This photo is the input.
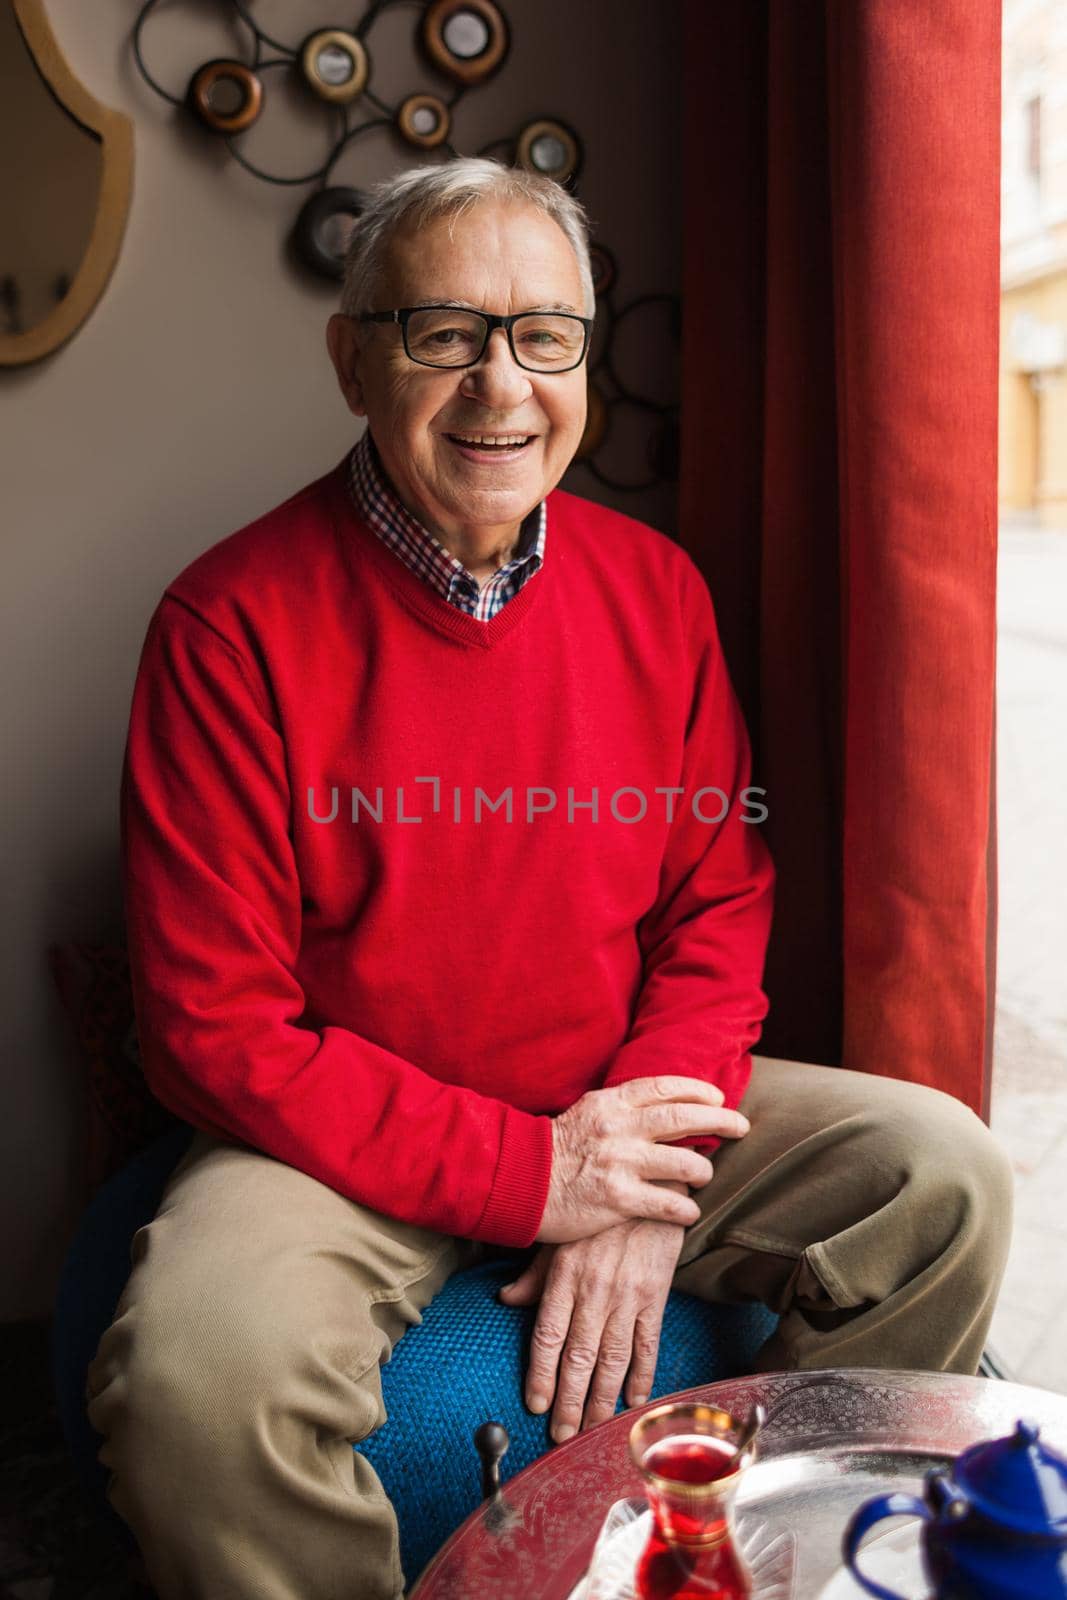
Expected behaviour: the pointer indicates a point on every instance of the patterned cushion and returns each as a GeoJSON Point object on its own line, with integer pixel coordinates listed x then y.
{"type": "Point", "coordinates": [464, 1364]}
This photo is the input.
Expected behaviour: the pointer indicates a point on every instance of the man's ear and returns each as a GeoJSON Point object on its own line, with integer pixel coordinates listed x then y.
{"type": "Point", "coordinates": [343, 343]}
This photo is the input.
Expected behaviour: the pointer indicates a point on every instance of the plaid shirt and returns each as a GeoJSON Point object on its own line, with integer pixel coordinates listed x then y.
{"type": "Point", "coordinates": [376, 502]}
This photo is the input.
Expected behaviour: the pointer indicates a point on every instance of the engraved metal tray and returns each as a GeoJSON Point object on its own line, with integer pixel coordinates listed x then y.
{"type": "Point", "coordinates": [832, 1440]}
{"type": "Point", "coordinates": [838, 1439]}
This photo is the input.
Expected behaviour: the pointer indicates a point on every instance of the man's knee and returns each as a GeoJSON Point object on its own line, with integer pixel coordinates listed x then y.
{"type": "Point", "coordinates": [890, 1133]}
{"type": "Point", "coordinates": [229, 1391]}
{"type": "Point", "coordinates": [953, 1180]}
{"type": "Point", "coordinates": [942, 1145]}
{"type": "Point", "coordinates": [222, 1367]}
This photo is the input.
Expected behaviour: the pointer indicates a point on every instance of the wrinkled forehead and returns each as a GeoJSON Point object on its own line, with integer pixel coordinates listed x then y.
{"type": "Point", "coordinates": [497, 257]}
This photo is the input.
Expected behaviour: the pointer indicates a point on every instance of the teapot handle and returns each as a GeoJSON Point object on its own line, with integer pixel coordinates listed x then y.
{"type": "Point", "coordinates": [887, 1505]}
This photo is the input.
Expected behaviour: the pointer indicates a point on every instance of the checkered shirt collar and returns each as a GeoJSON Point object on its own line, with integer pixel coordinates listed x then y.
{"type": "Point", "coordinates": [377, 502]}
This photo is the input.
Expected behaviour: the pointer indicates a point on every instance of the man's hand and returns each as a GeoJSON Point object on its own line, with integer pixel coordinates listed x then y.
{"type": "Point", "coordinates": [611, 1153]}
{"type": "Point", "coordinates": [601, 1309]}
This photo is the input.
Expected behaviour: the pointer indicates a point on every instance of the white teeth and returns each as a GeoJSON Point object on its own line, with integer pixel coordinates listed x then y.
{"type": "Point", "coordinates": [492, 439]}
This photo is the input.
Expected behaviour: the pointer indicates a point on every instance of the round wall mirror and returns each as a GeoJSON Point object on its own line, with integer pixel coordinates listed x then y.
{"type": "Point", "coordinates": [424, 120]}
{"type": "Point", "coordinates": [466, 34]}
{"type": "Point", "coordinates": [550, 148]}
{"type": "Point", "coordinates": [64, 201]}
{"type": "Point", "coordinates": [335, 65]}
{"type": "Point", "coordinates": [466, 39]}
{"type": "Point", "coordinates": [226, 96]}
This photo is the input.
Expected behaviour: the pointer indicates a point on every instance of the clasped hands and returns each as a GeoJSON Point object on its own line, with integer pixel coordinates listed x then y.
{"type": "Point", "coordinates": [611, 1234]}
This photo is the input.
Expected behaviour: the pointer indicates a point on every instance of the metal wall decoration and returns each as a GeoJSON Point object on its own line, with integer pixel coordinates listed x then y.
{"type": "Point", "coordinates": [466, 41]}
{"type": "Point", "coordinates": [610, 395]}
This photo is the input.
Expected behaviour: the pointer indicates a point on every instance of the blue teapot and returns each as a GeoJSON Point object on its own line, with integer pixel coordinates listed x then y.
{"type": "Point", "coordinates": [995, 1523]}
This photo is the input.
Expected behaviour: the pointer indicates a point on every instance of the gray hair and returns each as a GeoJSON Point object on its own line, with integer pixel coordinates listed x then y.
{"type": "Point", "coordinates": [422, 193]}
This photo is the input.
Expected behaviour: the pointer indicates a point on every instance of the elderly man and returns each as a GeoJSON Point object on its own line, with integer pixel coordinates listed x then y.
{"type": "Point", "coordinates": [447, 919]}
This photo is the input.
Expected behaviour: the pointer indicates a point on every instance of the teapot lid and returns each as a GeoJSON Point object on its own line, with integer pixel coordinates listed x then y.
{"type": "Point", "coordinates": [1016, 1481]}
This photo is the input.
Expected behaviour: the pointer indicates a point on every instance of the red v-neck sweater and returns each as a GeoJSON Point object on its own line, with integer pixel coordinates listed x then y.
{"type": "Point", "coordinates": [387, 981]}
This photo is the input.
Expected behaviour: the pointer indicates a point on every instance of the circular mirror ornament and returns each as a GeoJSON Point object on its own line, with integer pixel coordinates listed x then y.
{"type": "Point", "coordinates": [604, 269]}
{"type": "Point", "coordinates": [596, 424]}
{"type": "Point", "coordinates": [465, 39]}
{"type": "Point", "coordinates": [226, 96]}
{"type": "Point", "coordinates": [323, 230]}
{"type": "Point", "coordinates": [549, 148]}
{"type": "Point", "coordinates": [424, 120]}
{"type": "Point", "coordinates": [335, 65]}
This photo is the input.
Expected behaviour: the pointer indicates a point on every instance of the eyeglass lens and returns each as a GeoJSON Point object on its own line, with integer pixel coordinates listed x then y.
{"type": "Point", "coordinates": [543, 341]}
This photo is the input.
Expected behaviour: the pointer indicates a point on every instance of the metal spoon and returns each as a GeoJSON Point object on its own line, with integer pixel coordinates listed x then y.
{"type": "Point", "coordinates": [756, 1418]}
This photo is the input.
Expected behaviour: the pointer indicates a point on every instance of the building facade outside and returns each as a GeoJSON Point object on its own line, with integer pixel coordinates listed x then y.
{"type": "Point", "coordinates": [1033, 343]}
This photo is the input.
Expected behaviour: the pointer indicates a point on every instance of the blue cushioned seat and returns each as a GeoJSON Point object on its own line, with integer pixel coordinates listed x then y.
{"type": "Point", "coordinates": [463, 1364]}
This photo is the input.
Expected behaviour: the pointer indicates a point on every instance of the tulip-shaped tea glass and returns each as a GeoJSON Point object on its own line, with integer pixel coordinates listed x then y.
{"type": "Point", "coordinates": [687, 1455]}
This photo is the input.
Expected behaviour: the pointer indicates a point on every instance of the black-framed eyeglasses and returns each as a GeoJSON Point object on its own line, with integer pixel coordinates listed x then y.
{"type": "Point", "coordinates": [451, 336]}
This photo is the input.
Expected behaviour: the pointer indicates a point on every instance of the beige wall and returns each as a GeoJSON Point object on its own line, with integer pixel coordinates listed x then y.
{"type": "Point", "coordinates": [197, 395]}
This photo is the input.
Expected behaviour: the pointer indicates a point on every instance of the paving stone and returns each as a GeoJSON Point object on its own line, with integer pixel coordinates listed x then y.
{"type": "Point", "coordinates": [1029, 1127]}
{"type": "Point", "coordinates": [1034, 1278]}
{"type": "Point", "coordinates": [1040, 1197]}
{"type": "Point", "coordinates": [1029, 1112]}
{"type": "Point", "coordinates": [1046, 1363]}
{"type": "Point", "coordinates": [1014, 1334]}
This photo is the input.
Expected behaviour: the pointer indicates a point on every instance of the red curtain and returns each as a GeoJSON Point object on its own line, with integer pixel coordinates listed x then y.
{"type": "Point", "coordinates": [839, 435]}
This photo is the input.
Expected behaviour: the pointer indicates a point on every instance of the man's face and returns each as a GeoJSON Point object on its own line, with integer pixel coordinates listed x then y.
{"type": "Point", "coordinates": [493, 257]}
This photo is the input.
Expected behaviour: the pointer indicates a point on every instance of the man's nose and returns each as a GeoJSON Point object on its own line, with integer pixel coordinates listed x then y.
{"type": "Point", "coordinates": [497, 379]}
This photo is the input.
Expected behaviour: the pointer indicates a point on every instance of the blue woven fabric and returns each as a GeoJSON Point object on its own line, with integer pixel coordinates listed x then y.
{"type": "Point", "coordinates": [462, 1365]}
{"type": "Point", "coordinates": [93, 1278]}
{"type": "Point", "coordinates": [465, 1363]}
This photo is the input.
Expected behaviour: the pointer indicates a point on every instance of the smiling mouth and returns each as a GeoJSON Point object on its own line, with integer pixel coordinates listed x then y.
{"type": "Point", "coordinates": [492, 442]}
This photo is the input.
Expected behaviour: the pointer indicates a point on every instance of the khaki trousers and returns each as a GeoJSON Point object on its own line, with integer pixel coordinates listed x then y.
{"type": "Point", "coordinates": [244, 1357]}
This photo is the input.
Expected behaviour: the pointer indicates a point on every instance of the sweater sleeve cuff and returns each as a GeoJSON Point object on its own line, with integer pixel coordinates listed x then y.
{"type": "Point", "coordinates": [519, 1194]}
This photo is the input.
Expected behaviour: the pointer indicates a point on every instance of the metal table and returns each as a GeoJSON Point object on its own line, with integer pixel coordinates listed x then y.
{"type": "Point", "coordinates": [832, 1440]}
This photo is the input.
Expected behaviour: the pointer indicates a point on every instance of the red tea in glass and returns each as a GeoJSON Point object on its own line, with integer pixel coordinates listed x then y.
{"type": "Point", "coordinates": [690, 1458]}
{"type": "Point", "coordinates": [691, 1470]}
